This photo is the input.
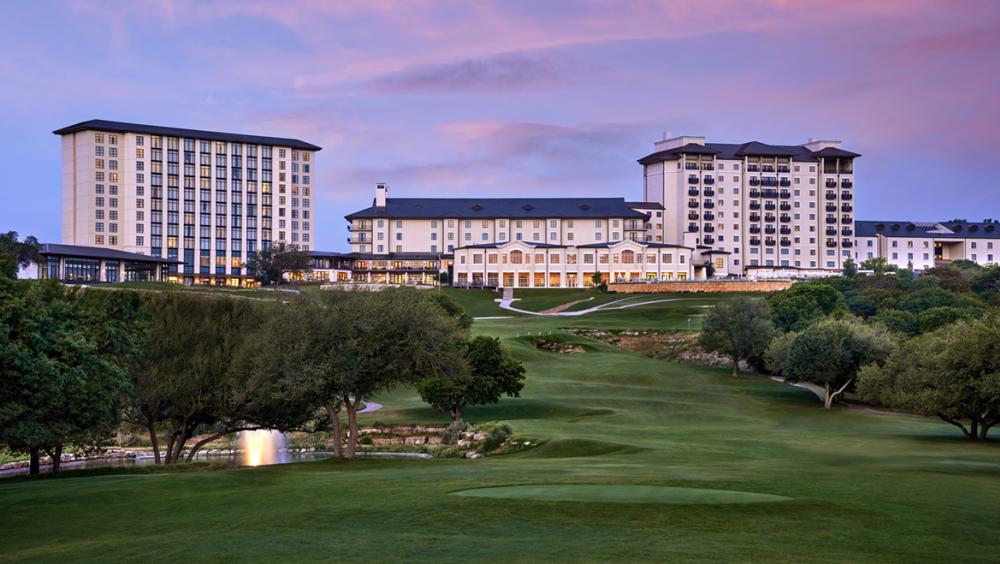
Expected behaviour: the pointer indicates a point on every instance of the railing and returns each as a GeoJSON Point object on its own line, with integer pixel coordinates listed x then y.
{"type": "Point", "coordinates": [770, 193]}
{"type": "Point", "coordinates": [831, 183]}
{"type": "Point", "coordinates": [785, 218]}
{"type": "Point", "coordinates": [707, 166]}
{"type": "Point", "coordinates": [755, 217]}
{"type": "Point", "coordinates": [786, 242]}
{"type": "Point", "coordinates": [755, 205]}
{"type": "Point", "coordinates": [709, 229]}
{"type": "Point", "coordinates": [784, 194]}
{"type": "Point", "coordinates": [831, 207]}
{"type": "Point", "coordinates": [709, 216]}
{"type": "Point", "coordinates": [755, 229]}
{"type": "Point", "coordinates": [831, 195]}
{"type": "Point", "coordinates": [782, 168]}
{"type": "Point", "coordinates": [754, 193]}
{"type": "Point", "coordinates": [692, 180]}
{"type": "Point", "coordinates": [846, 208]}
{"type": "Point", "coordinates": [754, 181]}
{"type": "Point", "coordinates": [693, 215]}
{"type": "Point", "coordinates": [708, 180]}
{"type": "Point", "coordinates": [846, 243]}
{"type": "Point", "coordinates": [784, 182]}
{"type": "Point", "coordinates": [693, 192]}
{"type": "Point", "coordinates": [709, 192]}
{"type": "Point", "coordinates": [690, 166]}
{"type": "Point", "coordinates": [692, 228]}
{"type": "Point", "coordinates": [770, 206]}
{"type": "Point", "coordinates": [785, 206]}
{"type": "Point", "coordinates": [785, 230]}
{"type": "Point", "coordinates": [709, 204]}
{"type": "Point", "coordinates": [692, 204]}
{"type": "Point", "coordinates": [831, 230]}
{"type": "Point", "coordinates": [845, 183]}
{"type": "Point", "coordinates": [767, 168]}
{"type": "Point", "coordinates": [708, 240]}
{"type": "Point", "coordinates": [846, 196]}
{"type": "Point", "coordinates": [752, 168]}
{"type": "Point", "coordinates": [831, 242]}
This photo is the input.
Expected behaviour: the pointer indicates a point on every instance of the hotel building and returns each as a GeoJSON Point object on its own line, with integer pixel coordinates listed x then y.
{"type": "Point", "coordinates": [203, 200]}
{"type": "Point", "coordinates": [783, 208]}
{"type": "Point", "coordinates": [923, 245]}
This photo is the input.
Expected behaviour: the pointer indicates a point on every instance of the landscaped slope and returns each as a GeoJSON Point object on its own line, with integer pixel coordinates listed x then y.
{"type": "Point", "coordinates": [863, 486]}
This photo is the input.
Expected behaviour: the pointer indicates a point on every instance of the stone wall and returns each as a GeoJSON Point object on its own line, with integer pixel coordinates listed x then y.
{"type": "Point", "coordinates": [697, 286]}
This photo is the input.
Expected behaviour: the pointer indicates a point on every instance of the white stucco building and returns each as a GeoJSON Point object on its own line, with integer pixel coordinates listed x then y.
{"type": "Point", "coordinates": [773, 207]}
{"type": "Point", "coordinates": [204, 200]}
{"type": "Point", "coordinates": [923, 245]}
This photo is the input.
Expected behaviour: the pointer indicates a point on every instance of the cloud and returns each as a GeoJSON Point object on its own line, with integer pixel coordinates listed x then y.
{"type": "Point", "coordinates": [499, 73]}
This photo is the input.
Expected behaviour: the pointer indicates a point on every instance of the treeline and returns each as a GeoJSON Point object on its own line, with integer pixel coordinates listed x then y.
{"type": "Point", "coordinates": [76, 364]}
{"type": "Point", "coordinates": [927, 344]}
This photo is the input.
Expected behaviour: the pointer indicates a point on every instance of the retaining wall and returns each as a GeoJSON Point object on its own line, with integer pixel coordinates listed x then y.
{"type": "Point", "coordinates": [696, 286]}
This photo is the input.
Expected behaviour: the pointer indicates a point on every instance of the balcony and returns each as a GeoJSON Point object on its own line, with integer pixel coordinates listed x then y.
{"type": "Point", "coordinates": [785, 218]}
{"type": "Point", "coordinates": [846, 196]}
{"type": "Point", "coordinates": [784, 194]}
{"type": "Point", "coordinates": [783, 168]}
{"type": "Point", "coordinates": [831, 207]}
{"type": "Point", "coordinates": [767, 168]}
{"type": "Point", "coordinates": [784, 182]}
{"type": "Point", "coordinates": [785, 230]}
{"type": "Point", "coordinates": [708, 228]}
{"type": "Point", "coordinates": [690, 166]}
{"type": "Point", "coordinates": [831, 183]}
{"type": "Point", "coordinates": [769, 218]}
{"type": "Point", "coordinates": [846, 208]}
{"type": "Point", "coordinates": [692, 179]}
{"type": "Point", "coordinates": [831, 195]}
{"type": "Point", "coordinates": [846, 243]}
{"type": "Point", "coordinates": [755, 217]}
{"type": "Point", "coordinates": [846, 231]}
{"type": "Point", "coordinates": [693, 215]}
{"type": "Point", "coordinates": [754, 181]}
{"type": "Point", "coordinates": [770, 241]}
{"type": "Point", "coordinates": [692, 228]}
{"type": "Point", "coordinates": [752, 168]}
{"type": "Point", "coordinates": [692, 204]}
{"type": "Point", "coordinates": [755, 229]}
{"type": "Point", "coordinates": [769, 181]}
{"type": "Point", "coordinates": [708, 204]}
{"type": "Point", "coordinates": [786, 242]}
{"type": "Point", "coordinates": [707, 166]}
{"type": "Point", "coordinates": [845, 183]}
{"type": "Point", "coordinates": [709, 192]}
{"type": "Point", "coordinates": [846, 219]}
{"type": "Point", "coordinates": [785, 206]}
{"type": "Point", "coordinates": [770, 206]}
{"type": "Point", "coordinates": [831, 219]}
{"type": "Point", "coordinates": [831, 242]}
{"type": "Point", "coordinates": [831, 230]}
{"type": "Point", "coordinates": [708, 240]}
{"type": "Point", "coordinates": [360, 227]}
{"type": "Point", "coordinates": [755, 241]}
{"type": "Point", "coordinates": [770, 193]}
{"type": "Point", "coordinates": [709, 216]}
{"type": "Point", "coordinates": [693, 192]}
{"type": "Point", "coordinates": [708, 180]}
{"type": "Point", "coordinates": [755, 193]}
{"type": "Point", "coordinates": [770, 230]}
{"type": "Point", "coordinates": [755, 205]}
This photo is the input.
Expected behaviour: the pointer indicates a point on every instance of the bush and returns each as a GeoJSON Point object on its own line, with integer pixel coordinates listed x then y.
{"type": "Point", "coordinates": [454, 431]}
{"type": "Point", "coordinates": [496, 437]}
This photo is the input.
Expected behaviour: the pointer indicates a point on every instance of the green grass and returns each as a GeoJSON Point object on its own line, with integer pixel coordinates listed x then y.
{"type": "Point", "coordinates": [863, 486]}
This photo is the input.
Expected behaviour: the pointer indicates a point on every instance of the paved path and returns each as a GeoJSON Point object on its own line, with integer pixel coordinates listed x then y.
{"type": "Point", "coordinates": [818, 390]}
{"type": "Point", "coordinates": [371, 406]}
{"type": "Point", "coordinates": [616, 304]}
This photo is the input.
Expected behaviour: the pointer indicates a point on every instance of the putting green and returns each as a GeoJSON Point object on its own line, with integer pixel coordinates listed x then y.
{"type": "Point", "coordinates": [620, 494]}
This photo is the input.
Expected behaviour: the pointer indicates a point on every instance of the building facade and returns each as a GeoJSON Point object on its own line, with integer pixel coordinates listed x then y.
{"type": "Point", "coordinates": [788, 207]}
{"type": "Point", "coordinates": [203, 200]}
{"type": "Point", "coordinates": [923, 245]}
{"type": "Point", "coordinates": [77, 264]}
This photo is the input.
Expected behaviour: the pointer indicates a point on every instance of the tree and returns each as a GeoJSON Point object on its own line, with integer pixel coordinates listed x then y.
{"type": "Point", "coordinates": [878, 265]}
{"type": "Point", "coordinates": [491, 373]}
{"type": "Point", "coordinates": [776, 356]}
{"type": "Point", "coordinates": [740, 329]}
{"type": "Point", "coordinates": [953, 373]}
{"type": "Point", "coordinates": [803, 303]}
{"type": "Point", "coordinates": [598, 282]}
{"type": "Point", "coordinates": [272, 263]}
{"type": "Point", "coordinates": [850, 268]}
{"type": "Point", "coordinates": [63, 359]}
{"type": "Point", "coordinates": [189, 378]}
{"type": "Point", "coordinates": [16, 254]}
{"type": "Point", "coordinates": [831, 352]}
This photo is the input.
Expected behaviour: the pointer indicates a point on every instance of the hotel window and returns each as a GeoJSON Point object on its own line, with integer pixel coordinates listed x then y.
{"type": "Point", "coordinates": [99, 138]}
{"type": "Point", "coordinates": [99, 163]}
{"type": "Point", "coordinates": [139, 240]}
{"type": "Point", "coordinates": [99, 227]}
{"type": "Point", "coordinates": [113, 139]}
{"type": "Point", "coordinates": [602, 259]}
{"type": "Point", "coordinates": [99, 188]}
{"type": "Point", "coordinates": [597, 236]}
{"type": "Point", "coordinates": [588, 258]}
{"type": "Point", "coordinates": [99, 214]}
{"type": "Point", "coordinates": [99, 201]}
{"type": "Point", "coordinates": [139, 140]}
{"type": "Point", "coordinates": [99, 151]}
{"type": "Point", "coordinates": [98, 239]}
{"type": "Point", "coordinates": [569, 236]}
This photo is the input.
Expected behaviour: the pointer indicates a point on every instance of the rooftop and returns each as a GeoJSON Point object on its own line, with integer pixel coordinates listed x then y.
{"type": "Point", "coordinates": [734, 151]}
{"type": "Point", "coordinates": [123, 127]}
{"type": "Point", "coordinates": [928, 229]}
{"type": "Point", "coordinates": [97, 252]}
{"type": "Point", "coordinates": [489, 208]}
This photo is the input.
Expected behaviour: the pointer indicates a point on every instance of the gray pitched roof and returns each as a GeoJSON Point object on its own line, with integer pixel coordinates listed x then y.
{"type": "Point", "coordinates": [123, 127]}
{"type": "Point", "coordinates": [489, 208]}
{"type": "Point", "coordinates": [645, 205]}
{"type": "Point", "coordinates": [734, 151]}
{"type": "Point", "coordinates": [80, 251]}
{"type": "Point", "coordinates": [928, 229]}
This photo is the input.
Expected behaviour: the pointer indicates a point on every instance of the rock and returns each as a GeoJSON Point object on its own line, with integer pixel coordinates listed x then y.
{"type": "Point", "coordinates": [479, 436]}
{"type": "Point", "coordinates": [526, 443]}
{"type": "Point", "coordinates": [378, 441]}
{"type": "Point", "coordinates": [472, 455]}
{"type": "Point", "coordinates": [397, 441]}
{"type": "Point", "coordinates": [464, 443]}
{"type": "Point", "coordinates": [416, 440]}
{"type": "Point", "coordinates": [402, 430]}
{"type": "Point", "coordinates": [434, 440]}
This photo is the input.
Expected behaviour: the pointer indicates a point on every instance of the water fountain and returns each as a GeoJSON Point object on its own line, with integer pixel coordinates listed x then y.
{"type": "Point", "coordinates": [263, 446]}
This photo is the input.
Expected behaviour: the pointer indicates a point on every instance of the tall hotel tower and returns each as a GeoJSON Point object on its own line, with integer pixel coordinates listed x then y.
{"type": "Point", "coordinates": [206, 199]}
{"type": "Point", "coordinates": [770, 206]}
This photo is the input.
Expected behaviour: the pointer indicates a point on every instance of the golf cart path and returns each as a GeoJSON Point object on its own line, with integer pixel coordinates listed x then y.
{"type": "Point", "coordinates": [370, 406]}
{"type": "Point", "coordinates": [505, 303]}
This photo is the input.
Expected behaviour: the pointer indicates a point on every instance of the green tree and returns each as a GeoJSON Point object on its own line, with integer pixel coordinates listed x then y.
{"type": "Point", "coordinates": [897, 321]}
{"type": "Point", "coordinates": [953, 373]}
{"type": "Point", "coordinates": [797, 307]}
{"type": "Point", "coordinates": [776, 356]}
{"type": "Point", "coordinates": [850, 268]}
{"type": "Point", "coordinates": [491, 373]}
{"type": "Point", "coordinates": [15, 254]}
{"type": "Point", "coordinates": [878, 265]}
{"type": "Point", "coordinates": [272, 263]}
{"type": "Point", "coordinates": [831, 352]}
{"type": "Point", "coordinates": [740, 329]}
{"type": "Point", "coordinates": [598, 282]}
{"type": "Point", "coordinates": [63, 359]}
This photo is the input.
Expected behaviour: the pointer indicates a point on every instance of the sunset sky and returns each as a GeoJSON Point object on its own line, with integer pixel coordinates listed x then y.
{"type": "Point", "coordinates": [516, 98]}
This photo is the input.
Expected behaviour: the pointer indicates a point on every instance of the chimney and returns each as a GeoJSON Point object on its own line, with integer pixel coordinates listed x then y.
{"type": "Point", "coordinates": [381, 194]}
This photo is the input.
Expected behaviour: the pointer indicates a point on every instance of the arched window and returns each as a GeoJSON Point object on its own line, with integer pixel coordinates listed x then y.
{"type": "Point", "coordinates": [516, 257]}
{"type": "Point", "coordinates": [628, 257]}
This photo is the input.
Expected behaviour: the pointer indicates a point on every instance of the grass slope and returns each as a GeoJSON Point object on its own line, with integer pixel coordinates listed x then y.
{"type": "Point", "coordinates": [863, 486]}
